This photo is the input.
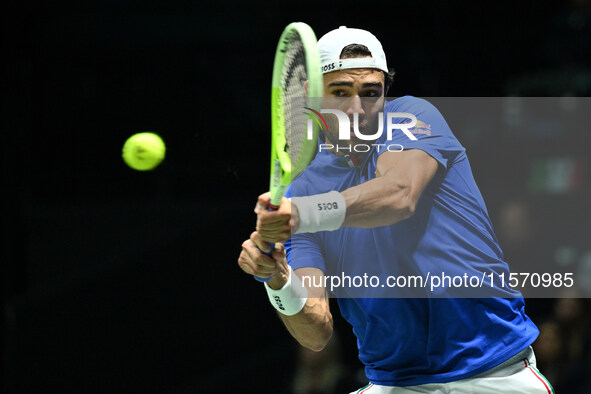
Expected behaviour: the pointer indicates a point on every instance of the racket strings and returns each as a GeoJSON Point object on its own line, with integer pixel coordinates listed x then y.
{"type": "Point", "coordinates": [293, 79]}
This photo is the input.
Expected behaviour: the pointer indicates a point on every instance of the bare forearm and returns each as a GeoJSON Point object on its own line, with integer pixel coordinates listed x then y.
{"type": "Point", "coordinates": [378, 202]}
{"type": "Point", "coordinates": [393, 194]}
{"type": "Point", "coordinates": [312, 326]}
{"type": "Point", "coordinates": [387, 199]}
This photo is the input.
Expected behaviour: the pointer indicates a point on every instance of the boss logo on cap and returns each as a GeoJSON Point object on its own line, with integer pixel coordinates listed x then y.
{"type": "Point", "coordinates": [327, 67]}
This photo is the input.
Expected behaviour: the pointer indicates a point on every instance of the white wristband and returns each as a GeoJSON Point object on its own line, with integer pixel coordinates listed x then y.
{"type": "Point", "coordinates": [320, 212]}
{"type": "Point", "coordinates": [291, 298]}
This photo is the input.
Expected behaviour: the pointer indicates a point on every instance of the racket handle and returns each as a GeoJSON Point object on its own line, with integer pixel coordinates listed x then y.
{"type": "Point", "coordinates": [271, 207]}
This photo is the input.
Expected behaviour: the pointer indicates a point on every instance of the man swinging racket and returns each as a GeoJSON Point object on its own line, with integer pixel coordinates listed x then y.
{"type": "Point", "coordinates": [392, 204]}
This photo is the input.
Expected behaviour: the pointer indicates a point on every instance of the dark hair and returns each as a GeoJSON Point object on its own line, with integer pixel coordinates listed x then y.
{"type": "Point", "coordinates": [358, 50]}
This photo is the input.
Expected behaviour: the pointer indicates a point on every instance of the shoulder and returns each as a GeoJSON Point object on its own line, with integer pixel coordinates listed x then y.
{"type": "Point", "coordinates": [320, 176]}
{"type": "Point", "coordinates": [410, 104]}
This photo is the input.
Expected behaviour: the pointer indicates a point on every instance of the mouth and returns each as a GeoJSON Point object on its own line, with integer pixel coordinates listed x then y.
{"type": "Point", "coordinates": [361, 129]}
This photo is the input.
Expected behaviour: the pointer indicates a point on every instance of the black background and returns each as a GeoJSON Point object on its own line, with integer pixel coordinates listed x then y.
{"type": "Point", "coordinates": [123, 281]}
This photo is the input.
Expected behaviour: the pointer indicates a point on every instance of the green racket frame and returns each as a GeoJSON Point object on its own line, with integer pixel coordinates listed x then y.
{"type": "Point", "coordinates": [284, 168]}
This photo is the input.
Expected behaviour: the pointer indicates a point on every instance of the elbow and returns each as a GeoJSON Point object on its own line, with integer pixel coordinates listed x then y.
{"type": "Point", "coordinates": [318, 342]}
{"type": "Point", "coordinates": [315, 347]}
{"type": "Point", "coordinates": [408, 210]}
{"type": "Point", "coordinates": [406, 207]}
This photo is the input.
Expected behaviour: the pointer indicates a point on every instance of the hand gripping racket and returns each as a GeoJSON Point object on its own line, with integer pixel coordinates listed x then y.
{"type": "Point", "coordinates": [296, 86]}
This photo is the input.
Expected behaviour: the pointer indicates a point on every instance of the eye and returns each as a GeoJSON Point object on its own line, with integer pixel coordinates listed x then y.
{"type": "Point", "coordinates": [372, 93]}
{"type": "Point", "coordinates": [339, 93]}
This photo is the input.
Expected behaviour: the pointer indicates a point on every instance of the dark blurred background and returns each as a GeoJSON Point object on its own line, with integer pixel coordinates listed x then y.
{"type": "Point", "coordinates": [122, 281]}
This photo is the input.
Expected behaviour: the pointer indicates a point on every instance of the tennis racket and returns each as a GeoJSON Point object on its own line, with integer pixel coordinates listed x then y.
{"type": "Point", "coordinates": [297, 63]}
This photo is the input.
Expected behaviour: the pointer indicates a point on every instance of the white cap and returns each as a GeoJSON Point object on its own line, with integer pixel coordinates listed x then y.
{"type": "Point", "coordinates": [332, 43]}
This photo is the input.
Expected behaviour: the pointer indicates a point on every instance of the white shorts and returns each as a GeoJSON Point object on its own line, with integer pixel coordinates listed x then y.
{"type": "Point", "coordinates": [516, 375]}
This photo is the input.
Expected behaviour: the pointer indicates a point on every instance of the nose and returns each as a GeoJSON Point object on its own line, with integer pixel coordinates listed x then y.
{"type": "Point", "coordinates": [355, 106]}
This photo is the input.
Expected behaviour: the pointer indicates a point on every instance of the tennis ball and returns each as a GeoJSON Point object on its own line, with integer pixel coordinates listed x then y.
{"type": "Point", "coordinates": [143, 151]}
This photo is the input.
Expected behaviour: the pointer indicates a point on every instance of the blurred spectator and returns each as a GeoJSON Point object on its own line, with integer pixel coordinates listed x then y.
{"type": "Point", "coordinates": [550, 350]}
{"type": "Point", "coordinates": [516, 224]}
{"type": "Point", "coordinates": [563, 348]}
{"type": "Point", "coordinates": [319, 372]}
{"type": "Point", "coordinates": [523, 236]}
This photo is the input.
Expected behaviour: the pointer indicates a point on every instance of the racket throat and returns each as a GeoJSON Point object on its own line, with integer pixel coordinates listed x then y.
{"type": "Point", "coordinates": [279, 183]}
{"type": "Point", "coordinates": [276, 194]}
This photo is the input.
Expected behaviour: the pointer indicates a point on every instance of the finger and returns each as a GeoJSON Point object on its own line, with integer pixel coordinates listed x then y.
{"type": "Point", "coordinates": [268, 226]}
{"type": "Point", "coordinates": [278, 252]}
{"type": "Point", "coordinates": [257, 260]}
{"type": "Point", "coordinates": [279, 237]}
{"type": "Point", "coordinates": [275, 235]}
{"type": "Point", "coordinates": [265, 232]}
{"type": "Point", "coordinates": [252, 261]}
{"type": "Point", "coordinates": [259, 242]}
{"type": "Point", "coordinates": [250, 250]}
{"type": "Point", "coordinates": [281, 215]}
{"type": "Point", "coordinates": [264, 272]}
{"type": "Point", "coordinates": [263, 202]}
{"type": "Point", "coordinates": [285, 207]}
{"type": "Point", "coordinates": [272, 224]}
{"type": "Point", "coordinates": [250, 267]}
{"type": "Point", "coordinates": [245, 264]}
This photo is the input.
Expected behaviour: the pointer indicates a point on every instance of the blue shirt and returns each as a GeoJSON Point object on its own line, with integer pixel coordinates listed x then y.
{"type": "Point", "coordinates": [424, 339]}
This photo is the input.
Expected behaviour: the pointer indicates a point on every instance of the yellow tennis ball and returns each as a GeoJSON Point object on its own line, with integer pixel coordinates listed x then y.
{"type": "Point", "coordinates": [143, 151]}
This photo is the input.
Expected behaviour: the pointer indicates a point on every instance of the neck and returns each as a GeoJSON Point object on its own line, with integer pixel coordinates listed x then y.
{"type": "Point", "coordinates": [356, 157]}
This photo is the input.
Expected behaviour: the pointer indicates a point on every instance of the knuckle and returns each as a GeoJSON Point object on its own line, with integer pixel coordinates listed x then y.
{"type": "Point", "coordinates": [285, 211]}
{"type": "Point", "coordinates": [244, 267]}
{"type": "Point", "coordinates": [242, 262]}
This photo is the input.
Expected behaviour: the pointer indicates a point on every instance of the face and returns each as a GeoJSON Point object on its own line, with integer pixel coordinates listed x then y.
{"type": "Point", "coordinates": [359, 90]}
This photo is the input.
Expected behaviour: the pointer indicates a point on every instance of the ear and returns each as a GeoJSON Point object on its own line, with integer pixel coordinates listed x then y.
{"type": "Point", "coordinates": [306, 87]}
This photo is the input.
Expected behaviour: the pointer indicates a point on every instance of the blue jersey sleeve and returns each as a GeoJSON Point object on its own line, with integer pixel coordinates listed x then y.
{"type": "Point", "coordinates": [303, 250]}
{"type": "Point", "coordinates": [432, 132]}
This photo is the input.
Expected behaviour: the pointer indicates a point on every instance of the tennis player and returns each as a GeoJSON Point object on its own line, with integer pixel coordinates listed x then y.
{"type": "Point", "coordinates": [408, 204]}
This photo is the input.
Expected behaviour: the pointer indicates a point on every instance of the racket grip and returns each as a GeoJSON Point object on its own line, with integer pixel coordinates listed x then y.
{"type": "Point", "coordinates": [271, 207]}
